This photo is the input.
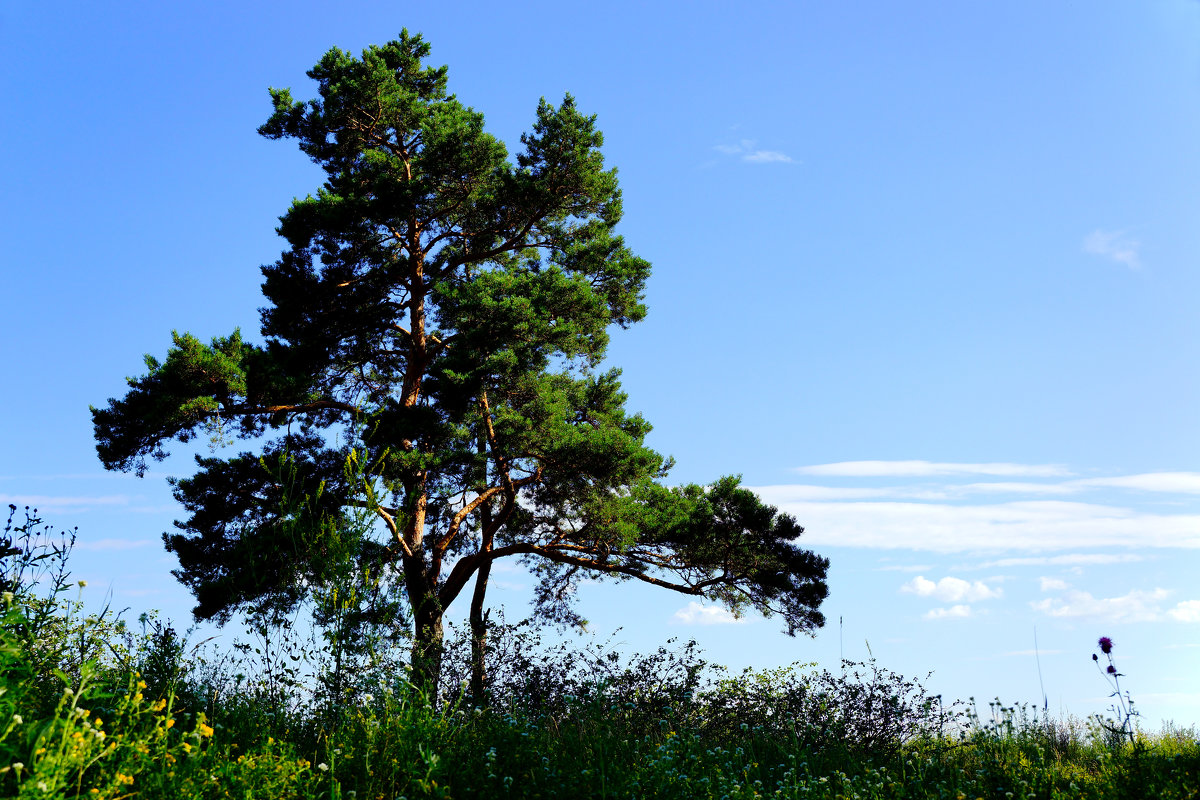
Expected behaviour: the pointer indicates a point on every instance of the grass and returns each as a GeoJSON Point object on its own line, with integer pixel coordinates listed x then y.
{"type": "Point", "coordinates": [92, 709]}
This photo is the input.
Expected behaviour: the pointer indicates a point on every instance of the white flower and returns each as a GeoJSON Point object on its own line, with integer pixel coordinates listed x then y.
{"type": "Point", "coordinates": [323, 767]}
{"type": "Point", "coordinates": [18, 719]}
{"type": "Point", "coordinates": [8, 598]}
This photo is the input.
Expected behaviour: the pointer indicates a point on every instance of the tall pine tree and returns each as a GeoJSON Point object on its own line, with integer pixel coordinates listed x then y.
{"type": "Point", "coordinates": [439, 316]}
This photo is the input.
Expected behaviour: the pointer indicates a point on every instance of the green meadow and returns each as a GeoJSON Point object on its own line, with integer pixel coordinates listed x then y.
{"type": "Point", "coordinates": [95, 706]}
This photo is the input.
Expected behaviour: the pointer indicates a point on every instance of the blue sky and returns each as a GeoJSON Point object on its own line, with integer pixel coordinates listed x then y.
{"type": "Point", "coordinates": [925, 274]}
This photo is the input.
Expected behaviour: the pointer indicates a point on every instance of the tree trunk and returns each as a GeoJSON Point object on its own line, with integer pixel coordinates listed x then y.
{"type": "Point", "coordinates": [479, 627]}
{"type": "Point", "coordinates": [428, 647]}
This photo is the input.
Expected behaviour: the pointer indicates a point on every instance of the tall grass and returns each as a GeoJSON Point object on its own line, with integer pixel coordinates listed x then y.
{"type": "Point", "coordinates": [93, 708]}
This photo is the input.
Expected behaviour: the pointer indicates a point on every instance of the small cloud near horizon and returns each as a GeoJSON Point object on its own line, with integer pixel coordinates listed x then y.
{"type": "Point", "coordinates": [950, 589]}
{"type": "Point", "coordinates": [1187, 611]}
{"type": "Point", "coordinates": [1114, 246]}
{"type": "Point", "coordinates": [1138, 605]}
{"type": "Point", "coordinates": [697, 613]}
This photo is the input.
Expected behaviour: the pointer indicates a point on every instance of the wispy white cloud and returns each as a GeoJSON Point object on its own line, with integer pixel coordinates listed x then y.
{"type": "Point", "coordinates": [696, 613]}
{"type": "Point", "coordinates": [747, 150]}
{"type": "Point", "coordinates": [953, 612]}
{"type": "Point", "coordinates": [1034, 526]}
{"type": "Point", "coordinates": [1053, 584]}
{"type": "Point", "coordinates": [1115, 246]}
{"type": "Point", "coordinates": [767, 157]}
{"type": "Point", "coordinates": [1175, 482]}
{"type": "Point", "coordinates": [1015, 487]}
{"type": "Point", "coordinates": [924, 469]}
{"type": "Point", "coordinates": [1160, 482]}
{"type": "Point", "coordinates": [801, 492]}
{"type": "Point", "coordinates": [1136, 606]}
{"type": "Point", "coordinates": [950, 589]}
{"type": "Point", "coordinates": [905, 568]}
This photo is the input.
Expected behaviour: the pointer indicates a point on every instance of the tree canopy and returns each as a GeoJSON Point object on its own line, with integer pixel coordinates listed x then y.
{"type": "Point", "coordinates": [439, 316]}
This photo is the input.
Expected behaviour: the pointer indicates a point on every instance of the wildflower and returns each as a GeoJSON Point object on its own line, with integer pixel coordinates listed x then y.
{"type": "Point", "coordinates": [17, 767]}
{"type": "Point", "coordinates": [8, 598]}
{"type": "Point", "coordinates": [1106, 645]}
{"type": "Point", "coordinates": [1112, 670]}
{"type": "Point", "coordinates": [204, 730]}
{"type": "Point", "coordinates": [82, 584]}
{"type": "Point", "coordinates": [323, 767]}
{"type": "Point", "coordinates": [18, 719]}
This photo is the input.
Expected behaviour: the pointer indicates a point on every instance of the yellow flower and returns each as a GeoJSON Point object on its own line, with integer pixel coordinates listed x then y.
{"type": "Point", "coordinates": [159, 706]}
{"type": "Point", "coordinates": [187, 748]}
{"type": "Point", "coordinates": [204, 730]}
{"type": "Point", "coordinates": [170, 723]}
{"type": "Point", "coordinates": [141, 684]}
{"type": "Point", "coordinates": [123, 778]}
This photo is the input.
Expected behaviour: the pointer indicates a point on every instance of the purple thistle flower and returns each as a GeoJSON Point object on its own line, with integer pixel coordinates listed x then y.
{"type": "Point", "coordinates": [1105, 645]}
{"type": "Point", "coordinates": [1112, 670]}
